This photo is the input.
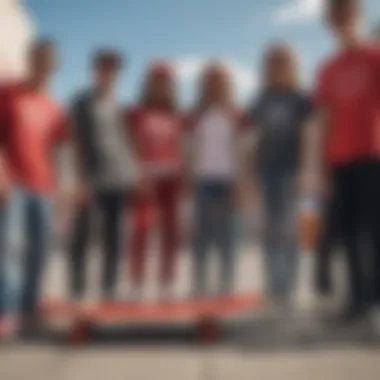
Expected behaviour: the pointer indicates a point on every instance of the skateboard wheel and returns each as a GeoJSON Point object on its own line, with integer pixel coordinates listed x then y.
{"type": "Point", "coordinates": [208, 330]}
{"type": "Point", "coordinates": [80, 333]}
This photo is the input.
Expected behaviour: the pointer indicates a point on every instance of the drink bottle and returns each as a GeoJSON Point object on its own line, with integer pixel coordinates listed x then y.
{"type": "Point", "coordinates": [309, 221]}
{"type": "Point", "coordinates": [309, 216]}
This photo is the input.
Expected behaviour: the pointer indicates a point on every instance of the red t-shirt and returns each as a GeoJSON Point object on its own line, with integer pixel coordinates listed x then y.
{"type": "Point", "coordinates": [348, 89]}
{"type": "Point", "coordinates": [157, 136]}
{"type": "Point", "coordinates": [31, 126]}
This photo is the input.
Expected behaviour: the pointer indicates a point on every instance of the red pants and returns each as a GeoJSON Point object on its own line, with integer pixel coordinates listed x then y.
{"type": "Point", "coordinates": [160, 209]}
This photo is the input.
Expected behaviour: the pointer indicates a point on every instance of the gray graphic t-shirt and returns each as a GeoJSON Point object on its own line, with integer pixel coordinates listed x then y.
{"type": "Point", "coordinates": [280, 115]}
{"type": "Point", "coordinates": [117, 166]}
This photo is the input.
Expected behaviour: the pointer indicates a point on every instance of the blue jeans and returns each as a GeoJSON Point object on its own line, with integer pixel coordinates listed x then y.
{"type": "Point", "coordinates": [280, 237]}
{"type": "Point", "coordinates": [24, 237]}
{"type": "Point", "coordinates": [214, 223]}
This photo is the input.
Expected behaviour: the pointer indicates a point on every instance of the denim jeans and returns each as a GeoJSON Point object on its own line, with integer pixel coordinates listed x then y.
{"type": "Point", "coordinates": [214, 223]}
{"type": "Point", "coordinates": [24, 238]}
{"type": "Point", "coordinates": [280, 233]}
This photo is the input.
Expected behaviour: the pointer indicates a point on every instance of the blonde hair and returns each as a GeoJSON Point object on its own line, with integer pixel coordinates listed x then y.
{"type": "Point", "coordinates": [290, 62]}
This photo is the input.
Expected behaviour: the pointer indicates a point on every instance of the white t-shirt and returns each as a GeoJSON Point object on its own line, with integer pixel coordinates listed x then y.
{"type": "Point", "coordinates": [214, 148]}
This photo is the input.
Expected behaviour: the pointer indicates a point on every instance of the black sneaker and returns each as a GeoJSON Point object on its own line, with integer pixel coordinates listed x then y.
{"type": "Point", "coordinates": [323, 283]}
{"type": "Point", "coordinates": [30, 327]}
{"type": "Point", "coordinates": [353, 314]}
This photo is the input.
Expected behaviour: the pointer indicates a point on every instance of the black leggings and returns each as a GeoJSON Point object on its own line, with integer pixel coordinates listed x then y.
{"type": "Point", "coordinates": [110, 205]}
{"type": "Point", "coordinates": [357, 191]}
{"type": "Point", "coordinates": [327, 242]}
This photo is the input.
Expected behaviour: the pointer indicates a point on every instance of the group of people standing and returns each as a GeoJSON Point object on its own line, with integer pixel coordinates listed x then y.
{"type": "Point", "coordinates": [145, 159]}
{"type": "Point", "coordinates": [130, 161]}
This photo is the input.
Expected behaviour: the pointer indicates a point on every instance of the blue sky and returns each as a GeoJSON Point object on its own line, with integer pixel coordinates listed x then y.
{"type": "Point", "coordinates": [184, 31]}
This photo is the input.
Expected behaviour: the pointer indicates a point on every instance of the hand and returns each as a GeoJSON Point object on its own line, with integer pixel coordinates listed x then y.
{"type": "Point", "coordinates": [240, 196]}
{"type": "Point", "coordinates": [144, 187]}
{"type": "Point", "coordinates": [82, 195]}
{"type": "Point", "coordinates": [4, 190]}
{"type": "Point", "coordinates": [247, 194]}
{"type": "Point", "coordinates": [187, 186]}
{"type": "Point", "coordinates": [309, 182]}
{"type": "Point", "coordinates": [62, 209]}
{"type": "Point", "coordinates": [144, 183]}
{"type": "Point", "coordinates": [326, 187]}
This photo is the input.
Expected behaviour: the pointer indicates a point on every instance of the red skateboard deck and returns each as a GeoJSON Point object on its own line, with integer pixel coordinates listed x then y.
{"type": "Point", "coordinates": [154, 312]}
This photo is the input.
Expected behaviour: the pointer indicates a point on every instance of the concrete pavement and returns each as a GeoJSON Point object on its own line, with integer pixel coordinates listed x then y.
{"type": "Point", "coordinates": [49, 362]}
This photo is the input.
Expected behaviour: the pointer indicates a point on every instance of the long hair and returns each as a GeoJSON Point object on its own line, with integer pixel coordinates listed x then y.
{"type": "Point", "coordinates": [215, 71]}
{"type": "Point", "coordinates": [376, 33]}
{"type": "Point", "coordinates": [164, 71]}
{"type": "Point", "coordinates": [285, 55]}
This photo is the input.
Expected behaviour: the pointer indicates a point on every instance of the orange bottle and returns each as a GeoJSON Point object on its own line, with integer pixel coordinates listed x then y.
{"type": "Point", "coordinates": [309, 222]}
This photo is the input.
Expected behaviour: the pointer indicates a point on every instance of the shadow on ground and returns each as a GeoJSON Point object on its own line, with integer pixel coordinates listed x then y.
{"type": "Point", "coordinates": [256, 334]}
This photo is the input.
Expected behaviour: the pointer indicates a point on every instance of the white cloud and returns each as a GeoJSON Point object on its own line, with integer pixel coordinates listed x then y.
{"type": "Point", "coordinates": [189, 69]}
{"type": "Point", "coordinates": [298, 11]}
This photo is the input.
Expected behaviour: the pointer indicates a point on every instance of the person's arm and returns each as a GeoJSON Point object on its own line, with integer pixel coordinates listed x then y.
{"type": "Point", "coordinates": [312, 167]}
{"type": "Point", "coordinates": [187, 148]}
{"type": "Point", "coordinates": [249, 152]}
{"type": "Point", "coordinates": [82, 188]}
{"type": "Point", "coordinates": [246, 185]}
{"type": "Point", "coordinates": [251, 145]}
{"type": "Point", "coordinates": [4, 120]}
{"type": "Point", "coordinates": [132, 122]}
{"type": "Point", "coordinates": [130, 126]}
{"type": "Point", "coordinates": [376, 137]}
{"type": "Point", "coordinates": [312, 148]}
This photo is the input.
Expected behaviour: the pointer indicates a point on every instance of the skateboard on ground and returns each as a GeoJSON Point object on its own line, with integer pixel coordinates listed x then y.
{"type": "Point", "coordinates": [204, 316]}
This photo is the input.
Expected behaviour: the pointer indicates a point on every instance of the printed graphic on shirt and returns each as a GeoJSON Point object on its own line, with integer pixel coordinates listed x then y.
{"type": "Point", "coordinates": [30, 113]}
{"type": "Point", "coordinates": [277, 115]}
{"type": "Point", "coordinates": [160, 129]}
{"type": "Point", "coordinates": [157, 135]}
{"type": "Point", "coordinates": [280, 116]}
{"type": "Point", "coordinates": [34, 125]}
